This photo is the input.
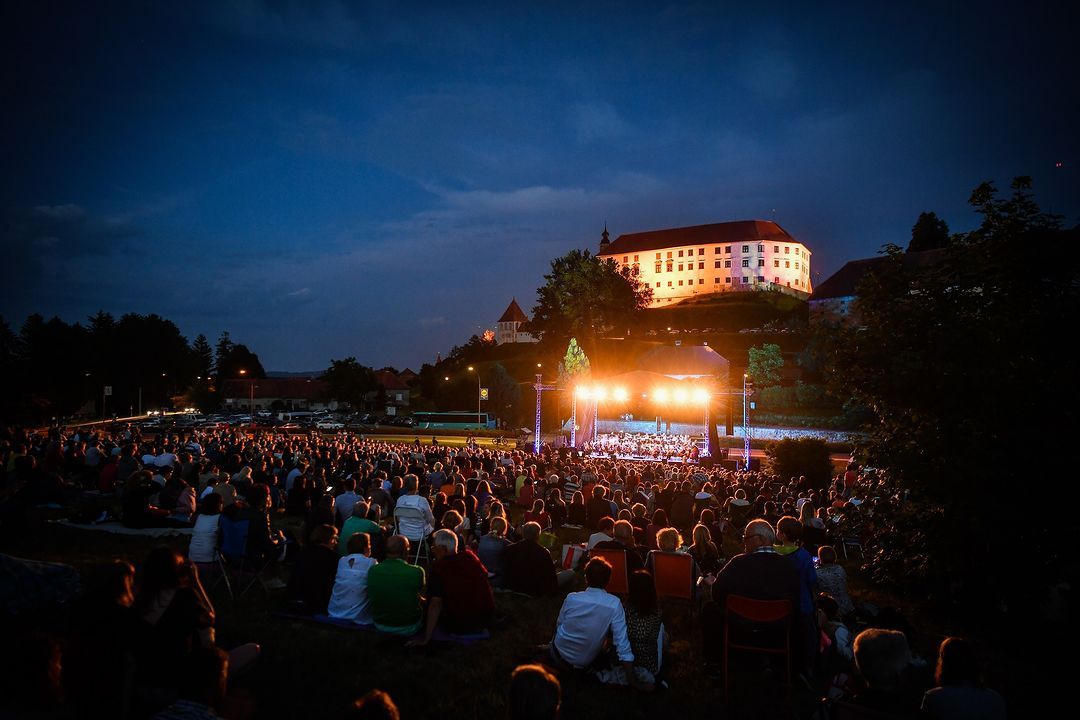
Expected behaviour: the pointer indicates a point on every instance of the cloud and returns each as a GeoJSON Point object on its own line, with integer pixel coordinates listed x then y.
{"type": "Point", "coordinates": [301, 293]}
{"type": "Point", "coordinates": [598, 121]}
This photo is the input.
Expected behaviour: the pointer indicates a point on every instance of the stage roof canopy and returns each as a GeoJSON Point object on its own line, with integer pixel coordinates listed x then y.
{"type": "Point", "coordinates": [685, 362]}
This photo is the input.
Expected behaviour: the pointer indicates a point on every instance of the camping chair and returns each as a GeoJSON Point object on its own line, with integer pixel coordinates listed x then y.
{"type": "Point", "coordinates": [419, 541]}
{"type": "Point", "coordinates": [758, 613]}
{"type": "Point", "coordinates": [232, 552]}
{"type": "Point", "coordinates": [674, 574]}
{"type": "Point", "coordinates": [620, 581]}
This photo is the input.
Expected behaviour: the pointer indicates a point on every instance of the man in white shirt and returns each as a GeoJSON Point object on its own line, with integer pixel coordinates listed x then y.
{"type": "Point", "coordinates": [586, 619]}
{"type": "Point", "coordinates": [605, 532]}
{"type": "Point", "coordinates": [414, 527]}
{"type": "Point", "coordinates": [296, 472]}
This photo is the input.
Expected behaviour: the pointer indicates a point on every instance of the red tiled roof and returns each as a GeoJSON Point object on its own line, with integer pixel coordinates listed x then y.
{"type": "Point", "coordinates": [390, 381]}
{"type": "Point", "coordinates": [514, 313]}
{"type": "Point", "coordinates": [729, 232]}
{"type": "Point", "coordinates": [293, 388]}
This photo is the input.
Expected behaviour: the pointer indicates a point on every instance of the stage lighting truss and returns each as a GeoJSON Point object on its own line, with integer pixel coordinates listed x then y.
{"type": "Point", "coordinates": [660, 395]}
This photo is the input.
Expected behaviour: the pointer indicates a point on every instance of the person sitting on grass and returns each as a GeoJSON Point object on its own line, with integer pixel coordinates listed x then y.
{"type": "Point", "coordinates": [312, 580]}
{"type": "Point", "coordinates": [491, 549]}
{"type": "Point", "coordinates": [529, 568]}
{"type": "Point", "coordinates": [358, 523]}
{"type": "Point", "coordinates": [396, 588]}
{"type": "Point", "coordinates": [605, 529]}
{"type": "Point", "coordinates": [959, 693]}
{"type": "Point", "coordinates": [374, 705]}
{"type": "Point", "coordinates": [535, 694]}
{"type": "Point", "coordinates": [832, 579]}
{"type": "Point", "coordinates": [882, 658]}
{"type": "Point", "coordinates": [645, 630]}
{"type": "Point", "coordinates": [624, 540]}
{"type": "Point", "coordinates": [585, 622]}
{"type": "Point", "coordinates": [459, 594]}
{"type": "Point", "coordinates": [349, 598]}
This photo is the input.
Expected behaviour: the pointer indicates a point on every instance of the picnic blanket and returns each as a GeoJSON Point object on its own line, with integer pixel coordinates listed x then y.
{"type": "Point", "coordinates": [439, 635]}
{"type": "Point", "coordinates": [118, 529]}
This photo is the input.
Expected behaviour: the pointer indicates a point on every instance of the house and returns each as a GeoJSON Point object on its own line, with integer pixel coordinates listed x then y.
{"type": "Point", "coordinates": [508, 327]}
{"type": "Point", "coordinates": [395, 389]}
{"type": "Point", "coordinates": [292, 393]}
{"type": "Point", "coordinates": [680, 263]}
{"type": "Point", "coordinates": [833, 300]}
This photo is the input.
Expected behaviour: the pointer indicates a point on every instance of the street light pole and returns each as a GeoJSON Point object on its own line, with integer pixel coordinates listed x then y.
{"type": "Point", "coordinates": [474, 370]}
{"type": "Point", "coordinates": [746, 421]}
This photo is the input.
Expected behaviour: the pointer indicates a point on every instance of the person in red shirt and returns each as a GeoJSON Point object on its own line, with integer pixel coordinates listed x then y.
{"type": "Point", "coordinates": [538, 515]}
{"type": "Point", "coordinates": [459, 594]}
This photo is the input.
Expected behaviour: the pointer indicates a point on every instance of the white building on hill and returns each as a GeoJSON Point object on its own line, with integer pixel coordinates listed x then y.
{"type": "Point", "coordinates": [681, 263]}
{"type": "Point", "coordinates": [506, 330]}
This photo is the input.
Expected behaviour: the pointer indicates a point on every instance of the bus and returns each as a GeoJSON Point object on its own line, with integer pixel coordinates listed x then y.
{"type": "Point", "coordinates": [453, 420]}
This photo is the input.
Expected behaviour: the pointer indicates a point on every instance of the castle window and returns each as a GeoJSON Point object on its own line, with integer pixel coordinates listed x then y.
{"type": "Point", "coordinates": [680, 264]}
{"type": "Point", "coordinates": [746, 262]}
{"type": "Point", "coordinates": [669, 254]}
{"type": "Point", "coordinates": [787, 263]}
{"type": "Point", "coordinates": [669, 265]}
{"type": "Point", "coordinates": [776, 263]}
{"type": "Point", "coordinates": [657, 284]}
{"type": "Point", "coordinates": [727, 249]}
{"type": "Point", "coordinates": [761, 248]}
{"type": "Point", "coordinates": [727, 263]}
{"type": "Point", "coordinates": [701, 281]}
{"type": "Point", "coordinates": [796, 266]}
{"type": "Point", "coordinates": [761, 262]}
{"type": "Point", "coordinates": [745, 280]}
{"type": "Point", "coordinates": [669, 283]}
{"type": "Point", "coordinates": [775, 280]}
{"type": "Point", "coordinates": [716, 281]}
{"type": "Point", "coordinates": [625, 260]}
{"type": "Point", "coordinates": [776, 248]}
{"type": "Point", "coordinates": [727, 280]}
{"type": "Point", "coordinates": [701, 266]}
{"type": "Point", "coordinates": [635, 258]}
{"type": "Point", "coordinates": [761, 278]}
{"type": "Point", "coordinates": [787, 250]}
{"type": "Point", "coordinates": [657, 256]}
{"type": "Point", "coordinates": [746, 248]}
{"type": "Point", "coordinates": [717, 264]}
{"type": "Point", "coordinates": [701, 251]}
{"type": "Point", "coordinates": [680, 253]}
{"type": "Point", "coordinates": [657, 267]}
{"type": "Point", "coordinates": [680, 283]}
{"type": "Point", "coordinates": [716, 250]}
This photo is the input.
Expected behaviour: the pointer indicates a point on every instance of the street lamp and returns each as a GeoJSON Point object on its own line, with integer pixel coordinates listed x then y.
{"type": "Point", "coordinates": [251, 395]}
{"type": "Point", "coordinates": [478, 393]}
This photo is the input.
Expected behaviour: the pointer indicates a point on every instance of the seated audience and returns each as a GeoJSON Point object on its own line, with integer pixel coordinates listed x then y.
{"type": "Point", "coordinates": [882, 657]}
{"type": "Point", "coordinates": [459, 594]}
{"type": "Point", "coordinates": [396, 588]}
{"type": "Point", "coordinates": [204, 534]}
{"type": "Point", "coordinates": [529, 568]}
{"type": "Point", "coordinates": [349, 598]}
{"type": "Point", "coordinates": [832, 579]}
{"type": "Point", "coordinates": [624, 540]}
{"type": "Point", "coordinates": [535, 694]}
{"type": "Point", "coordinates": [960, 694]}
{"type": "Point", "coordinates": [312, 579]}
{"type": "Point", "coordinates": [358, 523]}
{"type": "Point", "coordinates": [491, 550]}
{"type": "Point", "coordinates": [604, 531]}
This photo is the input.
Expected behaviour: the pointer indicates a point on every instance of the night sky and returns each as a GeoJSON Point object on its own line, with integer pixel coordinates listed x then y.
{"type": "Point", "coordinates": [378, 179]}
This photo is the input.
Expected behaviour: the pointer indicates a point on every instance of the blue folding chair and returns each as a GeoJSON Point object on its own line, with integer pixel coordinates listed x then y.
{"type": "Point", "coordinates": [232, 552]}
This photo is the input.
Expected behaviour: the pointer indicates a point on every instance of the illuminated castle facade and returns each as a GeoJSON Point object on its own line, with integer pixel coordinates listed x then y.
{"type": "Point", "coordinates": [686, 262]}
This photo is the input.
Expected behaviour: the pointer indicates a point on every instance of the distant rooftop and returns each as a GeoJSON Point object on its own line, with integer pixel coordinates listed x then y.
{"type": "Point", "coordinates": [844, 281]}
{"type": "Point", "coordinates": [750, 231]}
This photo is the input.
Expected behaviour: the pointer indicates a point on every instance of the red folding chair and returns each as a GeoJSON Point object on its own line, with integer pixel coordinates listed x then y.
{"type": "Point", "coordinates": [775, 613]}
{"type": "Point", "coordinates": [619, 583]}
{"type": "Point", "coordinates": [674, 576]}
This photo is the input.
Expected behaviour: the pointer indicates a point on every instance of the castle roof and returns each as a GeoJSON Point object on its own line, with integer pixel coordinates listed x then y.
{"type": "Point", "coordinates": [749, 231]}
{"type": "Point", "coordinates": [514, 313]}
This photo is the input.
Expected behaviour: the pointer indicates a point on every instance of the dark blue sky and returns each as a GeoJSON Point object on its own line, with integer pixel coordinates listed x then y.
{"type": "Point", "coordinates": [325, 179]}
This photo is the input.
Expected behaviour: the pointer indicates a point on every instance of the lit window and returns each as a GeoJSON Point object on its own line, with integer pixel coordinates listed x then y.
{"type": "Point", "coordinates": [775, 280]}
{"type": "Point", "coordinates": [776, 248]}
{"type": "Point", "coordinates": [680, 253]}
{"type": "Point", "coordinates": [761, 262]}
{"type": "Point", "coordinates": [701, 251]}
{"type": "Point", "coordinates": [657, 256]}
{"type": "Point", "coordinates": [690, 252]}
{"type": "Point", "coordinates": [657, 284]}
{"type": "Point", "coordinates": [625, 260]}
{"type": "Point", "coordinates": [717, 264]}
{"type": "Point", "coordinates": [796, 266]}
{"type": "Point", "coordinates": [787, 263]}
{"type": "Point", "coordinates": [746, 262]}
{"type": "Point", "coordinates": [635, 258]}
{"type": "Point", "coordinates": [680, 265]}
{"type": "Point", "coordinates": [657, 267]}
{"type": "Point", "coordinates": [669, 265]}
{"type": "Point", "coordinates": [669, 283]}
{"type": "Point", "coordinates": [761, 248]}
{"type": "Point", "coordinates": [776, 263]}
{"type": "Point", "coordinates": [787, 250]}
{"type": "Point", "coordinates": [746, 248]}
{"type": "Point", "coordinates": [701, 266]}
{"type": "Point", "coordinates": [669, 254]}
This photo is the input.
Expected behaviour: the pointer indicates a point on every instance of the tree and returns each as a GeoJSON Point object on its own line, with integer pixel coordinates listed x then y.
{"type": "Point", "coordinates": [349, 381]}
{"type": "Point", "coordinates": [575, 364]}
{"type": "Point", "coordinates": [239, 358]}
{"type": "Point", "coordinates": [950, 361]}
{"type": "Point", "coordinates": [204, 356]}
{"type": "Point", "coordinates": [764, 365]}
{"type": "Point", "coordinates": [584, 296]}
{"type": "Point", "coordinates": [792, 457]}
{"type": "Point", "coordinates": [929, 233]}
{"type": "Point", "coordinates": [223, 348]}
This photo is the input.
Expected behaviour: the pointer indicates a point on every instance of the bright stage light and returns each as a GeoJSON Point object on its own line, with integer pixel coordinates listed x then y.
{"type": "Point", "coordinates": [599, 392]}
{"type": "Point", "coordinates": [701, 396]}
{"type": "Point", "coordinates": [681, 396]}
{"type": "Point", "coordinates": [661, 395]}
{"type": "Point", "coordinates": [621, 395]}
{"type": "Point", "coordinates": [584, 392]}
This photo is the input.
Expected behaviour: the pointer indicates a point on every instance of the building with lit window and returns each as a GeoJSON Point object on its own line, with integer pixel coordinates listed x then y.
{"type": "Point", "coordinates": [508, 328]}
{"type": "Point", "coordinates": [681, 263]}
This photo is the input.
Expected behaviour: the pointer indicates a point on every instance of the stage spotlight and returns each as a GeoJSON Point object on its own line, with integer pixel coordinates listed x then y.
{"type": "Point", "coordinates": [621, 395]}
{"type": "Point", "coordinates": [661, 395]}
{"type": "Point", "coordinates": [681, 396]}
{"type": "Point", "coordinates": [599, 393]}
{"type": "Point", "coordinates": [701, 396]}
{"type": "Point", "coordinates": [584, 392]}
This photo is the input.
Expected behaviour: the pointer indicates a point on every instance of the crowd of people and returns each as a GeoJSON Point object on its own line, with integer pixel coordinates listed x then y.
{"type": "Point", "coordinates": [644, 446]}
{"type": "Point", "coordinates": [416, 540]}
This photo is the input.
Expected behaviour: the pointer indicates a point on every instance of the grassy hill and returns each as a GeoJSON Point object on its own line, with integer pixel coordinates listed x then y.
{"type": "Point", "coordinates": [728, 312]}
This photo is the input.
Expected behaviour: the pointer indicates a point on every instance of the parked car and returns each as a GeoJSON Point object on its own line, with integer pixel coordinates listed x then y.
{"type": "Point", "coordinates": [330, 425]}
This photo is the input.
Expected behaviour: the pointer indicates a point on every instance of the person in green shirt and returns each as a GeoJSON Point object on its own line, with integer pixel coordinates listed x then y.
{"type": "Point", "coordinates": [395, 588]}
{"type": "Point", "coordinates": [357, 523]}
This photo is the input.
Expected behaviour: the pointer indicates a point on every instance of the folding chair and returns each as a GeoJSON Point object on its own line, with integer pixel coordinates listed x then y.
{"type": "Point", "coordinates": [232, 552]}
{"type": "Point", "coordinates": [620, 581]}
{"type": "Point", "coordinates": [674, 575]}
{"type": "Point", "coordinates": [760, 613]}
{"type": "Point", "coordinates": [420, 541]}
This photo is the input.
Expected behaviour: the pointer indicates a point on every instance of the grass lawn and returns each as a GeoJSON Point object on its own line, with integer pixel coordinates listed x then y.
{"type": "Point", "coordinates": [311, 670]}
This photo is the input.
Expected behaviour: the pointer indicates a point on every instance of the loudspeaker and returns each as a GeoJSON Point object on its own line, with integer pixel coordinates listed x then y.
{"type": "Point", "coordinates": [729, 465]}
